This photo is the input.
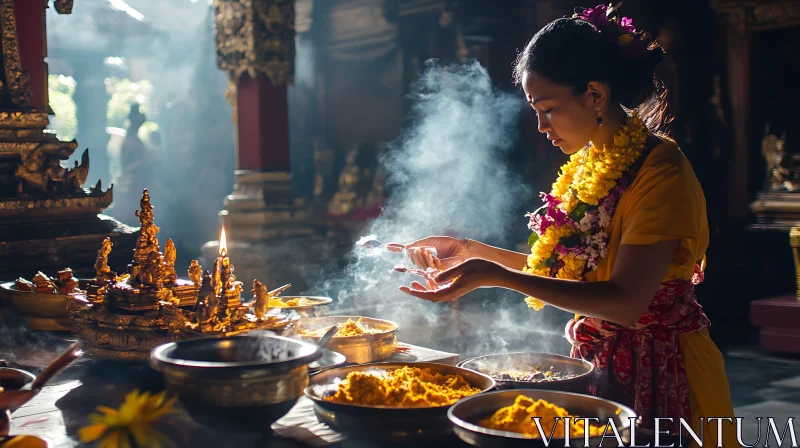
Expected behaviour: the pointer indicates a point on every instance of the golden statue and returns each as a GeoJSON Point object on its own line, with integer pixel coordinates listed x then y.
{"type": "Point", "coordinates": [147, 268]}
{"type": "Point", "coordinates": [216, 282]}
{"type": "Point", "coordinates": [207, 303]}
{"type": "Point", "coordinates": [170, 276]}
{"type": "Point", "coordinates": [195, 272]}
{"type": "Point", "coordinates": [225, 273]}
{"type": "Point", "coordinates": [101, 269]}
{"type": "Point", "coordinates": [260, 299]}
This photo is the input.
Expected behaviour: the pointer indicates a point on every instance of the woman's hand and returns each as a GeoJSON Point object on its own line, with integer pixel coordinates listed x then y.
{"type": "Point", "coordinates": [453, 283]}
{"type": "Point", "coordinates": [438, 252]}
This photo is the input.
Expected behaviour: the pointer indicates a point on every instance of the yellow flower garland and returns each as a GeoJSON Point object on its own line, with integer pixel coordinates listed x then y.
{"type": "Point", "coordinates": [588, 177]}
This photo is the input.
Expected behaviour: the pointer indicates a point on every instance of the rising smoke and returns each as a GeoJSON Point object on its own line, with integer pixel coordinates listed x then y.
{"type": "Point", "coordinates": [449, 176]}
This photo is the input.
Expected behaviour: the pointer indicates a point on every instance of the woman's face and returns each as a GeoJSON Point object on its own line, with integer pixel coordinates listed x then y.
{"type": "Point", "coordinates": [569, 120]}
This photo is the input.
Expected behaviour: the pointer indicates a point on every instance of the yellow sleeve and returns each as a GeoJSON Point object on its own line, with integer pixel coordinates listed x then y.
{"type": "Point", "coordinates": [664, 203]}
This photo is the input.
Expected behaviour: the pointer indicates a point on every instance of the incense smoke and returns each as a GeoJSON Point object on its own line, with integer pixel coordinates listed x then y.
{"type": "Point", "coordinates": [449, 176]}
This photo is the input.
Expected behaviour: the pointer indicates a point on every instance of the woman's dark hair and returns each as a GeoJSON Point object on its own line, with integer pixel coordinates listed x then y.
{"type": "Point", "coordinates": [571, 52]}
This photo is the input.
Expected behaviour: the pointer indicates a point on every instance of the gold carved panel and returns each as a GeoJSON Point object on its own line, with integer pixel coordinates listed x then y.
{"type": "Point", "coordinates": [256, 37]}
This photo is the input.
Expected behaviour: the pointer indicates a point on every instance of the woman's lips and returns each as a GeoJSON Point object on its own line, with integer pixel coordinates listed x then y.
{"type": "Point", "coordinates": [556, 141]}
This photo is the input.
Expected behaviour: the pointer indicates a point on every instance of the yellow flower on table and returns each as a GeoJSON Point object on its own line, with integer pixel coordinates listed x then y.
{"type": "Point", "coordinates": [130, 426]}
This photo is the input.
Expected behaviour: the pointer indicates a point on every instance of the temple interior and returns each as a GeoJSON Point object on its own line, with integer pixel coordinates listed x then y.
{"type": "Point", "coordinates": [174, 171]}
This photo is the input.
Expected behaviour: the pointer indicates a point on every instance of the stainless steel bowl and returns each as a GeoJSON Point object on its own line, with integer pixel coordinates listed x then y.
{"type": "Point", "coordinates": [238, 383]}
{"type": "Point", "coordinates": [387, 423]}
{"type": "Point", "coordinates": [316, 309]}
{"type": "Point", "coordinates": [465, 414]}
{"type": "Point", "coordinates": [524, 361]}
{"type": "Point", "coordinates": [357, 349]}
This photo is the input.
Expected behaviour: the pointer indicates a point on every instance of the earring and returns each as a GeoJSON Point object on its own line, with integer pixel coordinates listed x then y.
{"type": "Point", "coordinates": [599, 120]}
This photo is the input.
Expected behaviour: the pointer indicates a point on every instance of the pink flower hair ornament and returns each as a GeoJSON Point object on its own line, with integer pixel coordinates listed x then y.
{"type": "Point", "coordinates": [619, 31]}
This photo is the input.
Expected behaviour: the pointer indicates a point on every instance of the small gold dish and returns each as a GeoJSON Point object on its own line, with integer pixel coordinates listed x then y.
{"type": "Point", "coordinates": [41, 311]}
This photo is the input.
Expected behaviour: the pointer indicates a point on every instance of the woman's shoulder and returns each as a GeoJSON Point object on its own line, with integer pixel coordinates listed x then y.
{"type": "Point", "coordinates": [665, 154]}
{"type": "Point", "coordinates": [665, 165]}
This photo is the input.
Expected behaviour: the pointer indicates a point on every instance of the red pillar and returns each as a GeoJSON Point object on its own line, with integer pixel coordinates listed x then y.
{"type": "Point", "coordinates": [32, 40]}
{"type": "Point", "coordinates": [263, 125]}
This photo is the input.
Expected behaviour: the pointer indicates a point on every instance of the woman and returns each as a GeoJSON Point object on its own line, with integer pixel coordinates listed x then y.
{"type": "Point", "coordinates": [620, 240]}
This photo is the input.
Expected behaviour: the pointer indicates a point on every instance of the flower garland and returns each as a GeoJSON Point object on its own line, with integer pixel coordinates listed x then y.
{"type": "Point", "coordinates": [569, 237]}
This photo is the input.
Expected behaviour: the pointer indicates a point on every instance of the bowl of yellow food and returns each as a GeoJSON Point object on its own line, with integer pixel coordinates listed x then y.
{"type": "Point", "coordinates": [508, 418]}
{"type": "Point", "coordinates": [359, 339]}
{"type": "Point", "coordinates": [306, 306]}
{"type": "Point", "coordinates": [392, 401]}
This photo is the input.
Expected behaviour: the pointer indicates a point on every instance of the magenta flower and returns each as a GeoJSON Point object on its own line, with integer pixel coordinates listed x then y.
{"type": "Point", "coordinates": [597, 16]}
{"type": "Point", "coordinates": [626, 23]}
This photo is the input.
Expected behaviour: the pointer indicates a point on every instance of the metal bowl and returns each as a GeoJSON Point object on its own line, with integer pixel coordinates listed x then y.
{"type": "Point", "coordinates": [41, 311]}
{"type": "Point", "coordinates": [357, 349]}
{"type": "Point", "coordinates": [314, 310]}
{"type": "Point", "coordinates": [238, 383]}
{"type": "Point", "coordinates": [12, 380]}
{"type": "Point", "coordinates": [328, 360]}
{"type": "Point", "coordinates": [528, 361]}
{"type": "Point", "coordinates": [387, 423]}
{"type": "Point", "coordinates": [466, 413]}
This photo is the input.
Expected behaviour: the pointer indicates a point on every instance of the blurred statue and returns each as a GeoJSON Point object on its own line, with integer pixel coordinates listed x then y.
{"type": "Point", "coordinates": [136, 169]}
{"type": "Point", "coordinates": [323, 174]}
{"type": "Point", "coordinates": [356, 180]}
{"type": "Point", "coordinates": [781, 174]}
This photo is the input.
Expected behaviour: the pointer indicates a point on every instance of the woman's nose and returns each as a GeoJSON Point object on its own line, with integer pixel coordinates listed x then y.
{"type": "Point", "coordinates": [544, 124]}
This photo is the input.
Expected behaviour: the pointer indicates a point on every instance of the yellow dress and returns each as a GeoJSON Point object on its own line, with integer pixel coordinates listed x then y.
{"type": "Point", "coordinates": [665, 202]}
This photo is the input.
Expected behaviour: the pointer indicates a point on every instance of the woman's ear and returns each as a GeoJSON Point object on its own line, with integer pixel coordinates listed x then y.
{"type": "Point", "coordinates": [597, 93]}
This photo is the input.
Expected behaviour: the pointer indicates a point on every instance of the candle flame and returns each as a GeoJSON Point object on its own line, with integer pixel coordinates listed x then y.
{"type": "Point", "coordinates": [223, 243]}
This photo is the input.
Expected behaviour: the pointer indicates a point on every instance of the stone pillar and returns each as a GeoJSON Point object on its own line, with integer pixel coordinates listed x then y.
{"type": "Point", "coordinates": [267, 223]}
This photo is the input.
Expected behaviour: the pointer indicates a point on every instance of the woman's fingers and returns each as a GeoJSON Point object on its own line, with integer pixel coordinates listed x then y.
{"type": "Point", "coordinates": [429, 258]}
{"type": "Point", "coordinates": [418, 286]}
{"type": "Point", "coordinates": [395, 247]}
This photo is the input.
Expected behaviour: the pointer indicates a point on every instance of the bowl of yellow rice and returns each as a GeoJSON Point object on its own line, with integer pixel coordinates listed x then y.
{"type": "Point", "coordinates": [520, 417]}
{"type": "Point", "coordinates": [393, 401]}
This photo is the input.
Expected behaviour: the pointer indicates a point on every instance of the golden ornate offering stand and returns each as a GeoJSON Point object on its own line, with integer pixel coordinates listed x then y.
{"type": "Point", "coordinates": [123, 317]}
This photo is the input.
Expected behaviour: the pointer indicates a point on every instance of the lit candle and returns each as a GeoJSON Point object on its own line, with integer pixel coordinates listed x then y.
{"type": "Point", "coordinates": [223, 244]}
{"type": "Point", "coordinates": [225, 266]}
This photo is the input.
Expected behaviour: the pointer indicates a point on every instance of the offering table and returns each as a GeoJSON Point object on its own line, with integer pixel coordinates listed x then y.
{"type": "Point", "coordinates": [63, 406]}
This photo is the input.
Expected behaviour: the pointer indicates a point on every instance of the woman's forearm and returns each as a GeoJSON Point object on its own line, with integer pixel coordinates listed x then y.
{"type": "Point", "coordinates": [603, 300]}
{"type": "Point", "coordinates": [507, 258]}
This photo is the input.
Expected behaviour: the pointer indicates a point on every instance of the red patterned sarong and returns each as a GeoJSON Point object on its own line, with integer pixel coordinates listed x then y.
{"type": "Point", "coordinates": [642, 366]}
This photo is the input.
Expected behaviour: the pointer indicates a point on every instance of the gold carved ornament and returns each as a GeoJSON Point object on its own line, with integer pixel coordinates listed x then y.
{"type": "Point", "coordinates": [256, 37]}
{"type": "Point", "coordinates": [16, 78]}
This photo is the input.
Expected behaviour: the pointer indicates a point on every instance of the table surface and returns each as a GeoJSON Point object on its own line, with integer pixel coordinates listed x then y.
{"type": "Point", "coordinates": [63, 406]}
